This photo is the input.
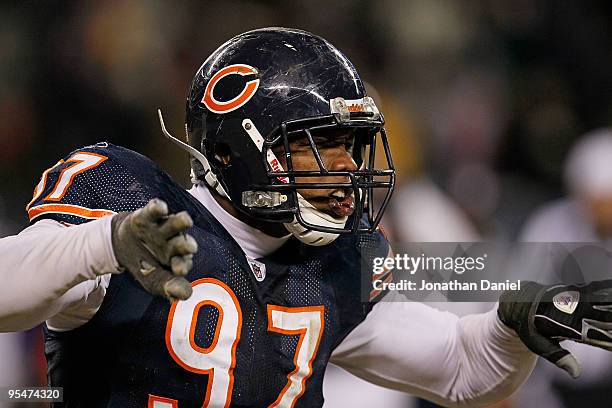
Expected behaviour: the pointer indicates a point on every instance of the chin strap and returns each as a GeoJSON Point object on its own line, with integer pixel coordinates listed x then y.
{"type": "Point", "coordinates": [208, 174]}
{"type": "Point", "coordinates": [313, 216]}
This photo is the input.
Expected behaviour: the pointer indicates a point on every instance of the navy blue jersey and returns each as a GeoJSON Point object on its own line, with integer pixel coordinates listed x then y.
{"type": "Point", "coordinates": [255, 333]}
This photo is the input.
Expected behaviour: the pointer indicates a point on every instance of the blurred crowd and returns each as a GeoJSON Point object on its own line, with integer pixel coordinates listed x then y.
{"type": "Point", "coordinates": [483, 100]}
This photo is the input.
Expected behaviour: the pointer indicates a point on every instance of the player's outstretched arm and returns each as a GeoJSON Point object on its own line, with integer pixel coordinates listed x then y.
{"type": "Point", "coordinates": [542, 316]}
{"type": "Point", "coordinates": [472, 361]}
{"type": "Point", "coordinates": [49, 267]}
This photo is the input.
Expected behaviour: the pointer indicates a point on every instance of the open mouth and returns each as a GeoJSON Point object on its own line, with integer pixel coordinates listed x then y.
{"type": "Point", "coordinates": [339, 203]}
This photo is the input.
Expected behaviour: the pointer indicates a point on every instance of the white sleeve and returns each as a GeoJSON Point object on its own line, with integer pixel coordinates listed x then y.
{"type": "Point", "coordinates": [455, 362]}
{"type": "Point", "coordinates": [49, 268]}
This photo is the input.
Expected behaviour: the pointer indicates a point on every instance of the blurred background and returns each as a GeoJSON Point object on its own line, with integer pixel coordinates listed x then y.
{"type": "Point", "coordinates": [483, 99]}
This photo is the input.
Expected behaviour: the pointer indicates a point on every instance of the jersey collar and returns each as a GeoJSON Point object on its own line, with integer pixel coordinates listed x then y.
{"type": "Point", "coordinates": [253, 242]}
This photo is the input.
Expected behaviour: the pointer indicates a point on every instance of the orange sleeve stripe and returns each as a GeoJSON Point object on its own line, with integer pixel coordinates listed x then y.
{"type": "Point", "coordinates": [68, 209]}
{"type": "Point", "coordinates": [375, 292]}
{"type": "Point", "coordinates": [379, 276]}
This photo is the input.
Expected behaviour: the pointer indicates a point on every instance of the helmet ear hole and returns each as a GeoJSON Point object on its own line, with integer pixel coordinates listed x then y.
{"type": "Point", "coordinates": [223, 153]}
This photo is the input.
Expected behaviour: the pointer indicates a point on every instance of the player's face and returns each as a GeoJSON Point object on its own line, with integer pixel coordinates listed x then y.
{"type": "Point", "coordinates": [335, 148]}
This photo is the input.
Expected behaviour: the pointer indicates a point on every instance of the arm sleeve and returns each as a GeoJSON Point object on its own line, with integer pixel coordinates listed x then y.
{"type": "Point", "coordinates": [455, 362]}
{"type": "Point", "coordinates": [48, 267]}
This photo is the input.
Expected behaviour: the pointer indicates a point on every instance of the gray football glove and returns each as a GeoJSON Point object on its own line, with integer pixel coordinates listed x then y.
{"type": "Point", "coordinates": [154, 248]}
{"type": "Point", "coordinates": [544, 315]}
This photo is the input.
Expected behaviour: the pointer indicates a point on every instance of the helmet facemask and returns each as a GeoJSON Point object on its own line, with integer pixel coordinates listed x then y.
{"type": "Point", "coordinates": [309, 224]}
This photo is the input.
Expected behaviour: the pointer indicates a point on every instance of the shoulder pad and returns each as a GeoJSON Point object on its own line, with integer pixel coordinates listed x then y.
{"type": "Point", "coordinates": [92, 182]}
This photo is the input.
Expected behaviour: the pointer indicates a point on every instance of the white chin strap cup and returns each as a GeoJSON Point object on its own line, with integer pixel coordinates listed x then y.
{"type": "Point", "coordinates": [313, 216]}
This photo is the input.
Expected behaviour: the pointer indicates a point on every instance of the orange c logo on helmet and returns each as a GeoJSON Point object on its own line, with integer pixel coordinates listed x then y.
{"type": "Point", "coordinates": [243, 97]}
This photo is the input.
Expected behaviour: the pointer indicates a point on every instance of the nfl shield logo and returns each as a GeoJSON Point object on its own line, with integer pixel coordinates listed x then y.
{"type": "Point", "coordinates": [567, 301]}
{"type": "Point", "coordinates": [258, 269]}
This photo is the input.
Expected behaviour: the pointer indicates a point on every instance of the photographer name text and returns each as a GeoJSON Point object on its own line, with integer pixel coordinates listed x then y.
{"type": "Point", "coordinates": [452, 285]}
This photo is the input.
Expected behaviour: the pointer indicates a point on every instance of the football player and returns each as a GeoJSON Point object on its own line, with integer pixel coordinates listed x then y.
{"type": "Point", "coordinates": [261, 259]}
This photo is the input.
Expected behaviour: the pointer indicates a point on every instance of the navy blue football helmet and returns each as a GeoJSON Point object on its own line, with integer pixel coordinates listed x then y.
{"type": "Point", "coordinates": [265, 88]}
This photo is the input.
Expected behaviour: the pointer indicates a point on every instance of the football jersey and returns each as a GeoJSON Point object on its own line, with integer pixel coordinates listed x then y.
{"type": "Point", "coordinates": [255, 333]}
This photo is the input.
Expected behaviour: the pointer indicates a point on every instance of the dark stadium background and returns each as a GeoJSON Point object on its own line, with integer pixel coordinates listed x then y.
{"type": "Point", "coordinates": [483, 97]}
